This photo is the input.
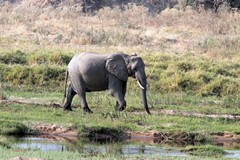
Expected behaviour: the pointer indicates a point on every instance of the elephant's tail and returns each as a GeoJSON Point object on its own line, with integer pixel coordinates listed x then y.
{"type": "Point", "coordinates": [65, 86]}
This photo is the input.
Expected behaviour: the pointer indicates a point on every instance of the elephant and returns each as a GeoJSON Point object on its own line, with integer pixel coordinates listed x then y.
{"type": "Point", "coordinates": [90, 72]}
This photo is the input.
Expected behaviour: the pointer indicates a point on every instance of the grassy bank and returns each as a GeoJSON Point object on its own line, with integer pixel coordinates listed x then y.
{"type": "Point", "coordinates": [166, 73]}
{"type": "Point", "coordinates": [19, 118]}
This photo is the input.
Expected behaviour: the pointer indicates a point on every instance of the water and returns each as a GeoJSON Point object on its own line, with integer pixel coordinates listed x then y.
{"type": "Point", "coordinates": [127, 148]}
{"type": "Point", "coordinates": [124, 148]}
{"type": "Point", "coordinates": [43, 144]}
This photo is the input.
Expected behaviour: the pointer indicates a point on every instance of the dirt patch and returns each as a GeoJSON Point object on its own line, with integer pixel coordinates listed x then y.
{"type": "Point", "coordinates": [60, 133]}
{"type": "Point", "coordinates": [20, 100]}
{"type": "Point", "coordinates": [225, 139]}
{"type": "Point", "coordinates": [25, 158]}
{"type": "Point", "coordinates": [54, 130]}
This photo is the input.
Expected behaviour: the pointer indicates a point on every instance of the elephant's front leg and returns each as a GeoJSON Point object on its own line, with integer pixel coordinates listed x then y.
{"type": "Point", "coordinates": [120, 101]}
{"type": "Point", "coordinates": [116, 89]}
{"type": "Point", "coordinates": [124, 89]}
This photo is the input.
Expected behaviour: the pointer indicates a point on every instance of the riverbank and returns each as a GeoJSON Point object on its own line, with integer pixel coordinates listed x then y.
{"type": "Point", "coordinates": [39, 128]}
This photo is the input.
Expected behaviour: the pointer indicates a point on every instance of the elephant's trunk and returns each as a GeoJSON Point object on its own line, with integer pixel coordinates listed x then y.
{"type": "Point", "coordinates": [144, 99]}
{"type": "Point", "coordinates": [141, 78]}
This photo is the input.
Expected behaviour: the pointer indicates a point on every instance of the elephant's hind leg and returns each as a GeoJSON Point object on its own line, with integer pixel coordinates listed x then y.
{"type": "Point", "coordinates": [82, 96]}
{"type": "Point", "coordinates": [71, 93]}
{"type": "Point", "coordinates": [80, 89]}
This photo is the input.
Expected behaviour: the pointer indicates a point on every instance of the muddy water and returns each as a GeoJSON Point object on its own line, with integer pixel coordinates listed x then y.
{"type": "Point", "coordinates": [132, 146]}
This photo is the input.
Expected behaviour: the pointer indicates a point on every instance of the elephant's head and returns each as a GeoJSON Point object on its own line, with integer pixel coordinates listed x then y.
{"type": "Point", "coordinates": [136, 69]}
{"type": "Point", "coordinates": [124, 66]}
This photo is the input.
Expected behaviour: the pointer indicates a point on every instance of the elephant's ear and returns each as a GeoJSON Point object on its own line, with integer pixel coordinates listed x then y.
{"type": "Point", "coordinates": [116, 65]}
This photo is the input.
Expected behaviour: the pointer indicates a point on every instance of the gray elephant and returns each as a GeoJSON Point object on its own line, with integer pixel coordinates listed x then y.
{"type": "Point", "coordinates": [96, 72]}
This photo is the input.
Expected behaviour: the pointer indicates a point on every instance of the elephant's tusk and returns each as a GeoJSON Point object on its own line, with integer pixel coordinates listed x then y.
{"type": "Point", "coordinates": [140, 85]}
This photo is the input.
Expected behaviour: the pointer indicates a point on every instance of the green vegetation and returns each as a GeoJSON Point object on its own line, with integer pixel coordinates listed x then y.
{"type": "Point", "coordinates": [13, 128]}
{"type": "Point", "coordinates": [115, 122]}
{"type": "Point", "coordinates": [167, 74]}
{"type": "Point", "coordinates": [205, 151]}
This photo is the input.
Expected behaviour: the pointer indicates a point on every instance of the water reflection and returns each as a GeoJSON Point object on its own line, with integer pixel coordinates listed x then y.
{"type": "Point", "coordinates": [150, 150]}
{"type": "Point", "coordinates": [129, 147]}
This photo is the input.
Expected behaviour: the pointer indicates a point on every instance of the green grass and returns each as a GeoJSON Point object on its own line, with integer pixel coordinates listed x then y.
{"type": "Point", "coordinates": [125, 121]}
{"type": "Point", "coordinates": [205, 151]}
{"type": "Point", "coordinates": [102, 100]}
{"type": "Point", "coordinates": [166, 73]}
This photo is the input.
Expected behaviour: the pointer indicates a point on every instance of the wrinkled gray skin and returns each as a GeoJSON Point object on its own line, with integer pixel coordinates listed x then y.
{"type": "Point", "coordinates": [96, 72]}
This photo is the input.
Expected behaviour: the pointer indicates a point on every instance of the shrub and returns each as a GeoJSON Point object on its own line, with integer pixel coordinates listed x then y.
{"type": "Point", "coordinates": [43, 75]}
{"type": "Point", "coordinates": [17, 74]}
{"type": "Point", "coordinates": [17, 57]}
{"type": "Point", "coordinates": [59, 58]}
{"type": "Point", "coordinates": [221, 87]}
{"type": "Point", "coordinates": [103, 134]}
{"type": "Point", "coordinates": [185, 66]}
{"type": "Point", "coordinates": [13, 128]}
{"type": "Point", "coordinates": [37, 58]}
{"type": "Point", "coordinates": [205, 151]}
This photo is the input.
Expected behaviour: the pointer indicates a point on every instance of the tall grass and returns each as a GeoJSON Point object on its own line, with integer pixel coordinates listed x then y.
{"type": "Point", "coordinates": [166, 73]}
{"type": "Point", "coordinates": [171, 31]}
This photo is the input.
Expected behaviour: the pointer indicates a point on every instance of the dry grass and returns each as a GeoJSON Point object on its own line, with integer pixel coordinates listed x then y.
{"type": "Point", "coordinates": [32, 27]}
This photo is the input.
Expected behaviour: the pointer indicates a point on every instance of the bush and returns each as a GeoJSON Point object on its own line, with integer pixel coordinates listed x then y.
{"type": "Point", "coordinates": [205, 151]}
{"type": "Point", "coordinates": [13, 128]}
{"type": "Point", "coordinates": [42, 76]}
{"type": "Point", "coordinates": [103, 134]}
{"type": "Point", "coordinates": [60, 58]}
{"type": "Point", "coordinates": [221, 87]}
{"type": "Point", "coordinates": [17, 57]}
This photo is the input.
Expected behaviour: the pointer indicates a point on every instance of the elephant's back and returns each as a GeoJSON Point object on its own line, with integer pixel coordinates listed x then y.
{"type": "Point", "coordinates": [90, 64]}
{"type": "Point", "coordinates": [90, 68]}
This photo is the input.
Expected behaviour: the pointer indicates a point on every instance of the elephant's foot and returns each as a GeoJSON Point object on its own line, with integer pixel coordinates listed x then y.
{"type": "Point", "coordinates": [120, 108]}
{"type": "Point", "coordinates": [67, 109]}
{"type": "Point", "coordinates": [87, 110]}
